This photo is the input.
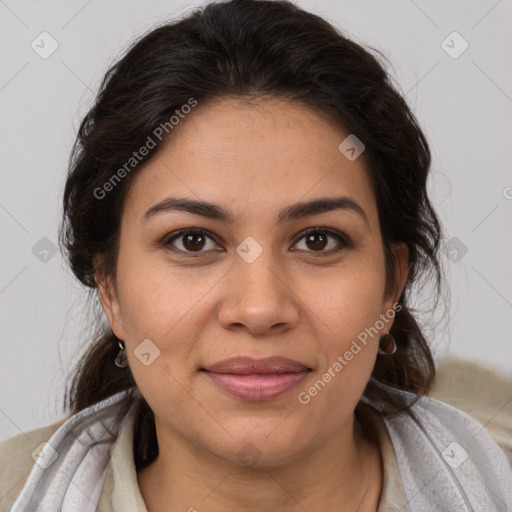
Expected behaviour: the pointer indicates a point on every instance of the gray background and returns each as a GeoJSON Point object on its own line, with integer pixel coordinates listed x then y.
{"type": "Point", "coordinates": [464, 105]}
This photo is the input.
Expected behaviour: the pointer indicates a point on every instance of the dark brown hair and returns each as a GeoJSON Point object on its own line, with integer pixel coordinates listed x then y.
{"type": "Point", "coordinates": [248, 49]}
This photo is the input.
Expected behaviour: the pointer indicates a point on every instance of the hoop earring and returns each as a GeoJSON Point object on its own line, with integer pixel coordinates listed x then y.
{"type": "Point", "coordinates": [121, 361]}
{"type": "Point", "coordinates": [387, 352]}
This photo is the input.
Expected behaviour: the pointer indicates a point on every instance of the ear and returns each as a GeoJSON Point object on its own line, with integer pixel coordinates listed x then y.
{"type": "Point", "coordinates": [109, 299]}
{"type": "Point", "coordinates": [395, 289]}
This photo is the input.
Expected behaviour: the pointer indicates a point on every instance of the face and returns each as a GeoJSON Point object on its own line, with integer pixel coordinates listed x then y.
{"type": "Point", "coordinates": [257, 285]}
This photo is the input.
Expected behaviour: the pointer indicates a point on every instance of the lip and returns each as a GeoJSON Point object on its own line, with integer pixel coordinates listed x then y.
{"type": "Point", "coordinates": [249, 365]}
{"type": "Point", "coordinates": [256, 386]}
{"type": "Point", "coordinates": [256, 379]}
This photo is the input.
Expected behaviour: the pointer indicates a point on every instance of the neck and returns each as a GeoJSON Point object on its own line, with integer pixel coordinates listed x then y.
{"type": "Point", "coordinates": [343, 472]}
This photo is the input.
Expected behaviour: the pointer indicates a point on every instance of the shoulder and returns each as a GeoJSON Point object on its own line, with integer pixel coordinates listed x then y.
{"type": "Point", "coordinates": [482, 393]}
{"type": "Point", "coordinates": [17, 456]}
{"type": "Point", "coordinates": [450, 455]}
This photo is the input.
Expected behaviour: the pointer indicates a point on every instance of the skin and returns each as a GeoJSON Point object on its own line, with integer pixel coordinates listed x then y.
{"type": "Point", "coordinates": [253, 160]}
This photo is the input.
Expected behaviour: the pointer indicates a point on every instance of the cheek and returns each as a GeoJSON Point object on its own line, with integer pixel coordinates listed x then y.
{"type": "Point", "coordinates": [348, 299]}
{"type": "Point", "coordinates": [348, 311]}
{"type": "Point", "coordinates": [152, 296]}
{"type": "Point", "coordinates": [166, 305]}
{"type": "Point", "coordinates": [157, 305]}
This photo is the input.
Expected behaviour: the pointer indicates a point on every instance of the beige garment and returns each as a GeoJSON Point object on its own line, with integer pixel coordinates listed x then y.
{"type": "Point", "coordinates": [16, 461]}
{"type": "Point", "coordinates": [121, 492]}
{"type": "Point", "coordinates": [482, 393]}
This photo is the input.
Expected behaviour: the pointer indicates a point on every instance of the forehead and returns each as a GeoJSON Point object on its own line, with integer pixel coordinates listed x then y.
{"type": "Point", "coordinates": [253, 160]}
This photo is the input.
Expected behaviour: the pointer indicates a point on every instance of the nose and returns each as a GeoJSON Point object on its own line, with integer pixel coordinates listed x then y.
{"type": "Point", "coordinates": [259, 297]}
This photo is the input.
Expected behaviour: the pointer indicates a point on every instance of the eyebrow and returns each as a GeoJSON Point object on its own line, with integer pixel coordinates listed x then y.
{"type": "Point", "coordinates": [288, 214]}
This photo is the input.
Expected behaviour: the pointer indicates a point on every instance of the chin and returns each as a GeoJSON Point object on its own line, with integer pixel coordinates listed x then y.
{"type": "Point", "coordinates": [258, 451]}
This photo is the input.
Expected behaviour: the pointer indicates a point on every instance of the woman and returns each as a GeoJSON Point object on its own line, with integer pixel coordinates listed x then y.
{"type": "Point", "coordinates": [248, 198]}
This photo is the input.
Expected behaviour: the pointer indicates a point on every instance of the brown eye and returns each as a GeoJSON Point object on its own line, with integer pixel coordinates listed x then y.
{"type": "Point", "coordinates": [317, 239]}
{"type": "Point", "coordinates": [194, 242]}
{"type": "Point", "coordinates": [191, 241]}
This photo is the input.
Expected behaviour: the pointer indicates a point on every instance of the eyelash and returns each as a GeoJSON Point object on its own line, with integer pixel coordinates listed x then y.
{"type": "Point", "coordinates": [342, 238]}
